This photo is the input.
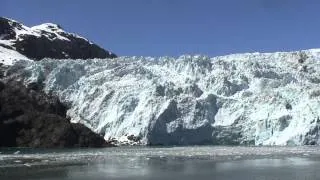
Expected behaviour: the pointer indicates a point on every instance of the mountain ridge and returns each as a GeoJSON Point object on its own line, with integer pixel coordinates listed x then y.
{"type": "Point", "coordinates": [47, 40]}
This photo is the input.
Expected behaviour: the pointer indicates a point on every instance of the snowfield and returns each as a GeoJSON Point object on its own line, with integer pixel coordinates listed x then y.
{"type": "Point", "coordinates": [257, 98]}
{"type": "Point", "coordinates": [10, 56]}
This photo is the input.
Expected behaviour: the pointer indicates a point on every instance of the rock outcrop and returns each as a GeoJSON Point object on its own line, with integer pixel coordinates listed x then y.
{"type": "Point", "coordinates": [30, 118]}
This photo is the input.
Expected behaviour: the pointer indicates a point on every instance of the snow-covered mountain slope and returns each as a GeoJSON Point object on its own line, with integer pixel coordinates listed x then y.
{"type": "Point", "coordinates": [47, 40]}
{"type": "Point", "coordinates": [9, 56]}
{"type": "Point", "coordinates": [261, 99]}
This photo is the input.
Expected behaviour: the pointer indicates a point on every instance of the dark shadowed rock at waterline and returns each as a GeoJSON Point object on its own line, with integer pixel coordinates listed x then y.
{"type": "Point", "coordinates": [47, 41]}
{"type": "Point", "coordinates": [30, 118]}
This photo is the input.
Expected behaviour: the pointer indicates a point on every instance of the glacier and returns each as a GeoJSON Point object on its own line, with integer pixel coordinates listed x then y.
{"type": "Point", "coordinates": [239, 99]}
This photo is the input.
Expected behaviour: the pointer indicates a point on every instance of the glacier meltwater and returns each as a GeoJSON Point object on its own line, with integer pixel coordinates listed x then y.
{"type": "Point", "coordinates": [253, 98]}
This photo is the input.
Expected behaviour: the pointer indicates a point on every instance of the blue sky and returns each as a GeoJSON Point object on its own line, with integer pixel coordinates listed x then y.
{"type": "Point", "coordinates": [175, 27]}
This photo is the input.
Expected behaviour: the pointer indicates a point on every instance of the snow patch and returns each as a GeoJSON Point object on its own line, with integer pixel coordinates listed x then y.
{"type": "Point", "coordinates": [9, 57]}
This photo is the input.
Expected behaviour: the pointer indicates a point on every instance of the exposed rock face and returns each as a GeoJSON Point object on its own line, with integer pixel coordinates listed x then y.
{"type": "Point", "coordinates": [29, 118]}
{"type": "Point", "coordinates": [7, 29]}
{"type": "Point", "coordinates": [47, 41]}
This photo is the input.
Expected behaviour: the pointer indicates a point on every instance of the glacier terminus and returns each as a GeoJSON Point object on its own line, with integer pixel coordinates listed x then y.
{"type": "Point", "coordinates": [239, 99]}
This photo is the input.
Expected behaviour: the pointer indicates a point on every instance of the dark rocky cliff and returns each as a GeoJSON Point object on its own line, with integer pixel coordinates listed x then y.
{"type": "Point", "coordinates": [30, 118]}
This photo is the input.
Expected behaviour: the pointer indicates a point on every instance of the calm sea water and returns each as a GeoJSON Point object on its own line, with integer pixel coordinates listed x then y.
{"type": "Point", "coordinates": [136, 163]}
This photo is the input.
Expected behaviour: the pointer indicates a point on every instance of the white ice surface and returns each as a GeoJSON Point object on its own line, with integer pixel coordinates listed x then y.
{"type": "Point", "coordinates": [191, 99]}
{"type": "Point", "coordinates": [9, 57]}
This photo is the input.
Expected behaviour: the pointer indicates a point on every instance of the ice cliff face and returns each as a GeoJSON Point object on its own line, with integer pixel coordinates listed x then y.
{"type": "Point", "coordinates": [261, 99]}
